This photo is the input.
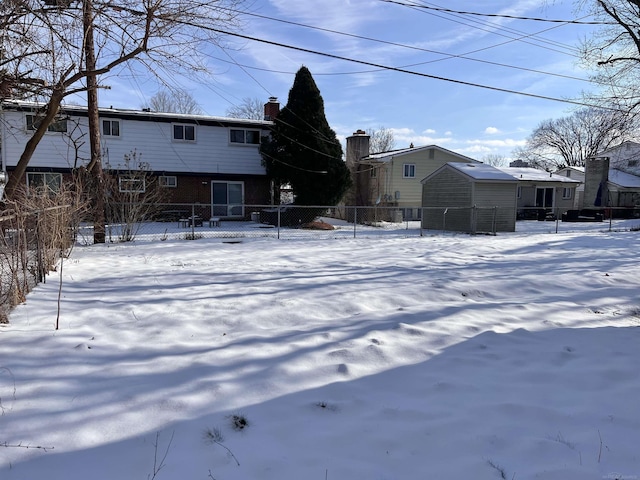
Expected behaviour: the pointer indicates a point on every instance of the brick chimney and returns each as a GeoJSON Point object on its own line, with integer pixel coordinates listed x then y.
{"type": "Point", "coordinates": [271, 108]}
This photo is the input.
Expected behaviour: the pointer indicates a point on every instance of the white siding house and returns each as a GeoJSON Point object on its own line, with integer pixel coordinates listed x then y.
{"type": "Point", "coordinates": [198, 158]}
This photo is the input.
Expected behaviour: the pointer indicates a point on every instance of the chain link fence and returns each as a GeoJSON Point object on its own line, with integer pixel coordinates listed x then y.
{"type": "Point", "coordinates": [194, 221]}
{"type": "Point", "coordinates": [30, 246]}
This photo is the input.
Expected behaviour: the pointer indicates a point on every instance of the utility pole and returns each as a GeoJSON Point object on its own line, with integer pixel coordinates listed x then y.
{"type": "Point", "coordinates": [94, 168]}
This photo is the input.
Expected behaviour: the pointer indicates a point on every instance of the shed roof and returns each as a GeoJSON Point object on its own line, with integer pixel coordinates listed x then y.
{"type": "Point", "coordinates": [476, 171]}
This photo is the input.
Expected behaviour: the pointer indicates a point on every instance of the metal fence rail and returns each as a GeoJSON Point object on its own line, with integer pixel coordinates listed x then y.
{"type": "Point", "coordinates": [194, 221]}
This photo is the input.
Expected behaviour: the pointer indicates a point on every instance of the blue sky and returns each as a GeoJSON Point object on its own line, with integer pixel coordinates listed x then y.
{"type": "Point", "coordinates": [470, 120]}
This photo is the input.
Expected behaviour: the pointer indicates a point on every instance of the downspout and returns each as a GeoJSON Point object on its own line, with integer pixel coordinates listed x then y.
{"type": "Point", "coordinates": [3, 151]}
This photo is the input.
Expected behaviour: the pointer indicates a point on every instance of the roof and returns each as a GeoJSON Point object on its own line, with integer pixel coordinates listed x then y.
{"type": "Point", "coordinates": [534, 175]}
{"type": "Point", "coordinates": [140, 114]}
{"type": "Point", "coordinates": [476, 171]}
{"type": "Point", "coordinates": [624, 180]}
{"type": "Point", "coordinates": [390, 155]}
{"type": "Point", "coordinates": [572, 167]}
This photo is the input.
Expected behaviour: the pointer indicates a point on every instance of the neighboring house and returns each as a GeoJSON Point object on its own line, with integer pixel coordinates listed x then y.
{"type": "Point", "coordinates": [612, 179]}
{"type": "Point", "coordinates": [542, 191]}
{"type": "Point", "coordinates": [575, 173]}
{"type": "Point", "coordinates": [210, 160]}
{"type": "Point", "coordinates": [469, 197]}
{"type": "Point", "coordinates": [393, 179]}
{"type": "Point", "coordinates": [624, 157]}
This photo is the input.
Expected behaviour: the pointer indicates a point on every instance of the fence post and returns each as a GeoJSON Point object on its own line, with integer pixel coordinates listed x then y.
{"type": "Point", "coordinates": [444, 220]}
{"type": "Point", "coordinates": [355, 219]}
{"type": "Point", "coordinates": [279, 210]}
{"type": "Point", "coordinates": [495, 214]}
{"type": "Point", "coordinates": [474, 219]}
{"type": "Point", "coordinates": [421, 218]}
{"type": "Point", "coordinates": [193, 221]}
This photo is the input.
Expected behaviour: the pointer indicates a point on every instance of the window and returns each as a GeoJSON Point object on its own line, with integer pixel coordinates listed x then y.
{"type": "Point", "coordinates": [131, 185]}
{"type": "Point", "coordinates": [52, 181]}
{"type": "Point", "coordinates": [58, 125]}
{"type": "Point", "coordinates": [250, 137]}
{"type": "Point", "coordinates": [566, 192]}
{"type": "Point", "coordinates": [184, 133]}
{"type": "Point", "coordinates": [519, 194]}
{"type": "Point", "coordinates": [111, 128]}
{"type": "Point", "coordinates": [227, 199]}
{"type": "Point", "coordinates": [409, 170]}
{"type": "Point", "coordinates": [374, 172]}
{"type": "Point", "coordinates": [168, 181]}
{"type": "Point", "coordinates": [633, 163]}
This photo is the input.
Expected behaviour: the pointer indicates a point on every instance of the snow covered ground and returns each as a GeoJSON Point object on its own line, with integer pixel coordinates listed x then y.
{"type": "Point", "coordinates": [435, 357]}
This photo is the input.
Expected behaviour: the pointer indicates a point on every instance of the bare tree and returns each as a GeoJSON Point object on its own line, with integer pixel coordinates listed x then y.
{"type": "Point", "coordinates": [614, 50]}
{"type": "Point", "coordinates": [48, 59]}
{"type": "Point", "coordinates": [174, 101]}
{"type": "Point", "coordinates": [381, 140]}
{"type": "Point", "coordinates": [569, 141]}
{"type": "Point", "coordinates": [495, 160]}
{"type": "Point", "coordinates": [250, 108]}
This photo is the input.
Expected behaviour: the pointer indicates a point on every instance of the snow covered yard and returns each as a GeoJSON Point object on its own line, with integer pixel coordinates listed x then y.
{"type": "Point", "coordinates": [441, 357]}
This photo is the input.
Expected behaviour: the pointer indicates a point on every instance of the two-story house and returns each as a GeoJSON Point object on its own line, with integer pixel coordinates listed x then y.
{"type": "Point", "coordinates": [198, 159]}
{"type": "Point", "coordinates": [393, 179]}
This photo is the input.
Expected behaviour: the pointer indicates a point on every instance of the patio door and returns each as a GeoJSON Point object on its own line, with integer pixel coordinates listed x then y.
{"type": "Point", "coordinates": [544, 197]}
{"type": "Point", "coordinates": [227, 199]}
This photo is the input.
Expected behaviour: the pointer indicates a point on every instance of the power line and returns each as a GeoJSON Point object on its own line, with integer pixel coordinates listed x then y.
{"type": "Point", "coordinates": [497, 15]}
{"type": "Point", "coordinates": [411, 47]}
{"type": "Point", "coordinates": [397, 69]}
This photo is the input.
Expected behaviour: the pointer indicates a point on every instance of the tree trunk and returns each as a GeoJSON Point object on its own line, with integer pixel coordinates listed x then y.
{"type": "Point", "coordinates": [95, 165]}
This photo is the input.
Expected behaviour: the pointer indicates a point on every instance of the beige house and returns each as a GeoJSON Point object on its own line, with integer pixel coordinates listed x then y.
{"type": "Point", "coordinates": [541, 192]}
{"type": "Point", "coordinates": [393, 179]}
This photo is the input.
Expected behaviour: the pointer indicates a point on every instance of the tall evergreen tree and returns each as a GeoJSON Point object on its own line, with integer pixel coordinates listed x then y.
{"type": "Point", "coordinates": [303, 150]}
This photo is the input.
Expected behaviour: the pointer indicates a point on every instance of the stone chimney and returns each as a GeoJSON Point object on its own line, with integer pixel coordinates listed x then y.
{"type": "Point", "coordinates": [596, 178]}
{"type": "Point", "coordinates": [357, 148]}
{"type": "Point", "coordinates": [271, 109]}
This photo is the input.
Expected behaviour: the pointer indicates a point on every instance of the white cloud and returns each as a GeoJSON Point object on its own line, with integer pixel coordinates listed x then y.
{"type": "Point", "coordinates": [491, 130]}
{"type": "Point", "coordinates": [429, 131]}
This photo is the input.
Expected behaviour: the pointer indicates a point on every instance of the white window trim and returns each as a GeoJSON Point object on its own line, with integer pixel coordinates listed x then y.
{"type": "Point", "coordinates": [244, 137]}
{"type": "Point", "coordinates": [162, 180]}
{"type": "Point", "coordinates": [44, 174]}
{"type": "Point", "coordinates": [184, 140]}
{"type": "Point", "coordinates": [35, 117]}
{"type": "Point", "coordinates": [241, 204]}
{"type": "Point", "coordinates": [112, 120]}
{"type": "Point", "coordinates": [566, 193]}
{"type": "Point", "coordinates": [404, 170]}
{"type": "Point", "coordinates": [130, 179]}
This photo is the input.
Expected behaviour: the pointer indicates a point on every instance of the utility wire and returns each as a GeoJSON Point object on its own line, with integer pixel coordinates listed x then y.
{"type": "Point", "coordinates": [396, 69]}
{"type": "Point", "coordinates": [411, 47]}
{"type": "Point", "coordinates": [497, 15]}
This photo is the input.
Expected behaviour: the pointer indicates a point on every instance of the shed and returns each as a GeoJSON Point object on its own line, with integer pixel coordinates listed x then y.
{"type": "Point", "coordinates": [469, 197]}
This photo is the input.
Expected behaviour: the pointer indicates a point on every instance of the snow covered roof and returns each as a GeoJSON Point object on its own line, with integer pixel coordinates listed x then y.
{"type": "Point", "coordinates": [624, 180]}
{"type": "Point", "coordinates": [139, 114]}
{"type": "Point", "coordinates": [478, 171]}
{"type": "Point", "coordinates": [390, 155]}
{"type": "Point", "coordinates": [535, 175]}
